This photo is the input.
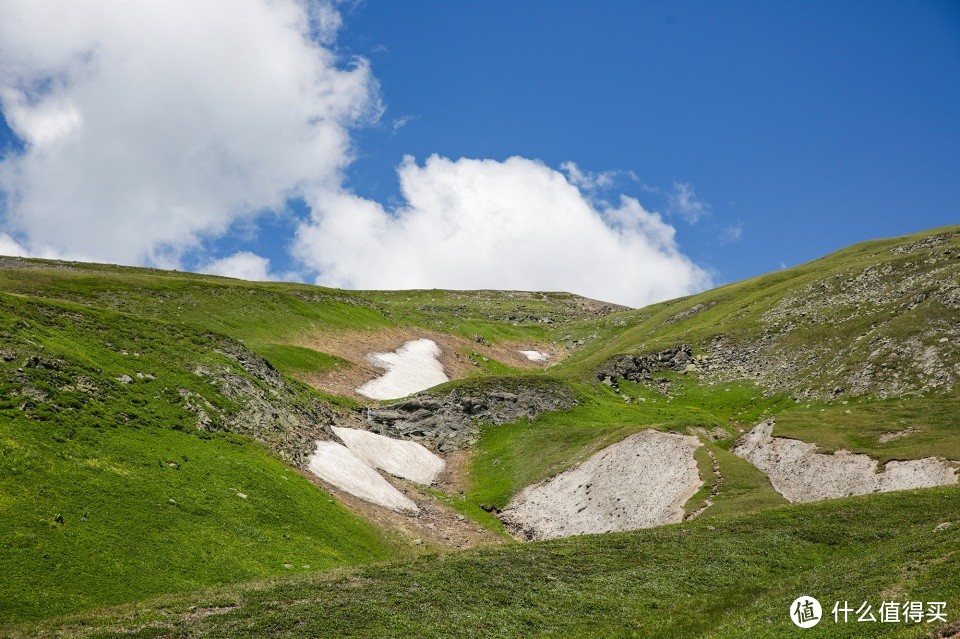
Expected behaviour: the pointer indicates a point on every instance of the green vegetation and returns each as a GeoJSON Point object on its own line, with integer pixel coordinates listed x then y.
{"type": "Point", "coordinates": [126, 471]}
{"type": "Point", "coordinates": [736, 311]}
{"type": "Point", "coordinates": [298, 361]}
{"type": "Point", "coordinates": [511, 456]}
{"type": "Point", "coordinates": [110, 493]}
{"type": "Point", "coordinates": [109, 516]}
{"type": "Point", "coordinates": [460, 504]}
{"type": "Point", "coordinates": [722, 577]}
{"type": "Point", "coordinates": [929, 425]}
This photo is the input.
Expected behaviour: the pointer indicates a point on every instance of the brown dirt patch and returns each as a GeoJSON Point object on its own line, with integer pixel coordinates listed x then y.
{"type": "Point", "coordinates": [453, 480]}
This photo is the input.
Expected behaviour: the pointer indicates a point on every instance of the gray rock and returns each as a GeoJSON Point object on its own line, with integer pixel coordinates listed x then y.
{"type": "Point", "coordinates": [452, 421]}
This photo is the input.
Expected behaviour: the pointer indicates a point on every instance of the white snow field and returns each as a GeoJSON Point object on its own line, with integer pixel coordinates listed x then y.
{"type": "Point", "coordinates": [412, 367]}
{"type": "Point", "coordinates": [536, 356]}
{"type": "Point", "coordinates": [336, 465]}
{"type": "Point", "coordinates": [405, 459]}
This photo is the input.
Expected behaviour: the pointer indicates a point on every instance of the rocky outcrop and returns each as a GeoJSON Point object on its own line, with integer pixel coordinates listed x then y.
{"type": "Point", "coordinates": [451, 421]}
{"type": "Point", "coordinates": [289, 421]}
{"type": "Point", "coordinates": [638, 368]}
{"type": "Point", "coordinates": [889, 329]}
{"type": "Point", "coordinates": [696, 309]}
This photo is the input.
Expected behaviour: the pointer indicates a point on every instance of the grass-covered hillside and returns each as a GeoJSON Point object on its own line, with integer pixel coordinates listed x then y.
{"type": "Point", "coordinates": [152, 425]}
{"type": "Point", "coordinates": [733, 576]}
{"type": "Point", "coordinates": [859, 350]}
{"type": "Point", "coordinates": [154, 428]}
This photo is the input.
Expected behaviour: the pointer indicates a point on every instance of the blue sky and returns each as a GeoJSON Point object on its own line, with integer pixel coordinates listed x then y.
{"type": "Point", "coordinates": [763, 134]}
{"type": "Point", "coordinates": [813, 124]}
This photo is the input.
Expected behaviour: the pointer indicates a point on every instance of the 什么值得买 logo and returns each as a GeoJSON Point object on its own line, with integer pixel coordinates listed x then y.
{"type": "Point", "coordinates": [805, 612]}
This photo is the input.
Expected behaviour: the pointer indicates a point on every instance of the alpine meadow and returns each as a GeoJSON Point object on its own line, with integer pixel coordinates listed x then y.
{"type": "Point", "coordinates": [683, 469]}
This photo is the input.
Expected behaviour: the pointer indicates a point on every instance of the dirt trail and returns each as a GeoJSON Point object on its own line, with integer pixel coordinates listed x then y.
{"type": "Point", "coordinates": [639, 482]}
{"type": "Point", "coordinates": [799, 473]}
{"type": "Point", "coordinates": [432, 527]}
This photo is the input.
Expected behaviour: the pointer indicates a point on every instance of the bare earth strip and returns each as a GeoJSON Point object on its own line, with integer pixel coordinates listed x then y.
{"type": "Point", "coordinates": [799, 473]}
{"type": "Point", "coordinates": [639, 482]}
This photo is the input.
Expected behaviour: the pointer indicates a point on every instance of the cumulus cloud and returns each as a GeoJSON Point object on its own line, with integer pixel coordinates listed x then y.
{"type": "Point", "coordinates": [683, 201]}
{"type": "Point", "coordinates": [516, 224]}
{"type": "Point", "coordinates": [10, 247]}
{"type": "Point", "coordinates": [150, 130]}
{"type": "Point", "coordinates": [151, 126]}
{"type": "Point", "coordinates": [242, 265]}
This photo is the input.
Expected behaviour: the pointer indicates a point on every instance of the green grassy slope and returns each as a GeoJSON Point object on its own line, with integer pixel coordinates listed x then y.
{"type": "Point", "coordinates": [110, 493]}
{"type": "Point", "coordinates": [840, 310]}
{"type": "Point", "coordinates": [108, 490]}
{"type": "Point", "coordinates": [726, 577]}
{"type": "Point", "coordinates": [841, 350]}
{"type": "Point", "coordinates": [261, 313]}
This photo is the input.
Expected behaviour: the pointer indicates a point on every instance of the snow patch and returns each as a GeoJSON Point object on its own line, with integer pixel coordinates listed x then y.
{"type": "Point", "coordinates": [536, 356]}
{"type": "Point", "coordinates": [799, 473]}
{"type": "Point", "coordinates": [405, 459]}
{"type": "Point", "coordinates": [639, 482]}
{"type": "Point", "coordinates": [411, 368]}
{"type": "Point", "coordinates": [336, 465]}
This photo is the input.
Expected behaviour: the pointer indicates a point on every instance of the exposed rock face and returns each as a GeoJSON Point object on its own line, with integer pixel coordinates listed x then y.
{"type": "Point", "coordinates": [920, 290]}
{"type": "Point", "coordinates": [890, 329]}
{"type": "Point", "coordinates": [638, 368]}
{"type": "Point", "coordinates": [271, 410]}
{"type": "Point", "coordinates": [639, 482]}
{"type": "Point", "coordinates": [696, 309]}
{"type": "Point", "coordinates": [799, 473]}
{"type": "Point", "coordinates": [449, 422]}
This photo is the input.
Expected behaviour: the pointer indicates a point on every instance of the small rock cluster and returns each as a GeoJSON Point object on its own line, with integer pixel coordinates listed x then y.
{"type": "Point", "coordinates": [450, 422]}
{"type": "Point", "coordinates": [696, 309]}
{"type": "Point", "coordinates": [638, 368]}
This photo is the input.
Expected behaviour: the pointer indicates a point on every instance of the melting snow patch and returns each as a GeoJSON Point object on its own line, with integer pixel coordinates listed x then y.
{"type": "Point", "coordinates": [535, 356]}
{"type": "Point", "coordinates": [412, 367]}
{"type": "Point", "coordinates": [800, 473]}
{"type": "Point", "coordinates": [639, 482]}
{"type": "Point", "coordinates": [336, 465]}
{"type": "Point", "coordinates": [405, 459]}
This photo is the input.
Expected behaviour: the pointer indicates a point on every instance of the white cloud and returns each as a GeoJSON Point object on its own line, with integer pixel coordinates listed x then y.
{"type": "Point", "coordinates": [10, 247]}
{"type": "Point", "coordinates": [150, 126]}
{"type": "Point", "coordinates": [398, 123]}
{"type": "Point", "coordinates": [587, 180]}
{"type": "Point", "coordinates": [731, 233]}
{"type": "Point", "coordinates": [683, 201]}
{"type": "Point", "coordinates": [242, 265]}
{"type": "Point", "coordinates": [515, 224]}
